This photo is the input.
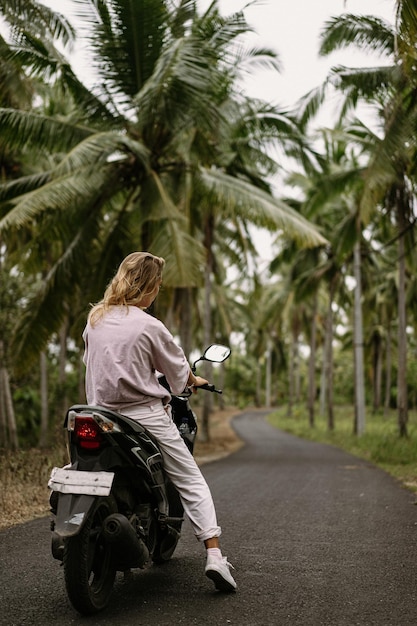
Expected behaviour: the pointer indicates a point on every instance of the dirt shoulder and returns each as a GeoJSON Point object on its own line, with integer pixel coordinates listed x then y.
{"type": "Point", "coordinates": [223, 438]}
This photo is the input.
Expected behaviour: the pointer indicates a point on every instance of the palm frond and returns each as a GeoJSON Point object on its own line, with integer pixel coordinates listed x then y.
{"type": "Point", "coordinates": [393, 155]}
{"type": "Point", "coordinates": [368, 33]}
{"type": "Point", "coordinates": [59, 195]}
{"type": "Point", "coordinates": [259, 58]}
{"type": "Point", "coordinates": [218, 30]}
{"type": "Point", "coordinates": [332, 186]}
{"type": "Point", "coordinates": [104, 148]}
{"type": "Point", "coordinates": [172, 95]}
{"type": "Point", "coordinates": [259, 207]}
{"type": "Point", "coordinates": [308, 106]}
{"type": "Point", "coordinates": [21, 128]}
{"type": "Point", "coordinates": [406, 20]}
{"type": "Point", "coordinates": [41, 59]}
{"type": "Point", "coordinates": [45, 311]}
{"type": "Point", "coordinates": [15, 188]}
{"type": "Point", "coordinates": [125, 40]}
{"type": "Point", "coordinates": [366, 82]}
{"type": "Point", "coordinates": [157, 193]}
{"type": "Point", "coordinates": [184, 254]}
{"type": "Point", "coordinates": [24, 15]}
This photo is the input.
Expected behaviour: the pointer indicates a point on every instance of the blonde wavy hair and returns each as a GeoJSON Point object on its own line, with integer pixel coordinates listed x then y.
{"type": "Point", "coordinates": [137, 277]}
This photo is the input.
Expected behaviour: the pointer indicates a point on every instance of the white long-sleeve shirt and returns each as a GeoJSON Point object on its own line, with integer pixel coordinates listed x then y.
{"type": "Point", "coordinates": [122, 353]}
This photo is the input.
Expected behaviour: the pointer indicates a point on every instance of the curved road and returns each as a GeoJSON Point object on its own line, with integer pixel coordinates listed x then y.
{"type": "Point", "coordinates": [317, 537]}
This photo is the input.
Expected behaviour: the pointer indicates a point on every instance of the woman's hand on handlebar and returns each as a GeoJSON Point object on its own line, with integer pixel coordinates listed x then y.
{"type": "Point", "coordinates": [196, 381]}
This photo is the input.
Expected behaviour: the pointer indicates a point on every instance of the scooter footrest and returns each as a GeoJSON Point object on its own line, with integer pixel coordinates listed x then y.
{"type": "Point", "coordinates": [173, 520]}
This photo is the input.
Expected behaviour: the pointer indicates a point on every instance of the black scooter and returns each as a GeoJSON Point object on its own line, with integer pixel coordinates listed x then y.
{"type": "Point", "coordinates": [113, 508]}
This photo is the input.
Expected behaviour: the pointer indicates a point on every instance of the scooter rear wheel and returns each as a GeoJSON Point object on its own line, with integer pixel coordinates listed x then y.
{"type": "Point", "coordinates": [88, 569]}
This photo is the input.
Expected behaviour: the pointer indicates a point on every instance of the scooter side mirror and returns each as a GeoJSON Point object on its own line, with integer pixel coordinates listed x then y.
{"type": "Point", "coordinates": [215, 353]}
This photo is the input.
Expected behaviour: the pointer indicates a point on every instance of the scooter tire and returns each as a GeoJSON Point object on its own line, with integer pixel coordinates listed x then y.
{"type": "Point", "coordinates": [89, 573]}
{"type": "Point", "coordinates": [165, 547]}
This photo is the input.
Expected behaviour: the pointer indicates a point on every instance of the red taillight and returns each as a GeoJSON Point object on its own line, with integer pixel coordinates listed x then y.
{"type": "Point", "coordinates": [87, 433]}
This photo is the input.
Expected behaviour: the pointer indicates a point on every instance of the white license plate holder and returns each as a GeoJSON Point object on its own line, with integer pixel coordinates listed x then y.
{"type": "Point", "coordinates": [78, 482]}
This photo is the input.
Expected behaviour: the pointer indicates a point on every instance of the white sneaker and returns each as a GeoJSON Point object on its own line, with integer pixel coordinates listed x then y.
{"type": "Point", "coordinates": [218, 570]}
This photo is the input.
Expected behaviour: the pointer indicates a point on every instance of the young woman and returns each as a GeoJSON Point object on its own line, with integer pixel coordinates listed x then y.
{"type": "Point", "coordinates": [124, 346]}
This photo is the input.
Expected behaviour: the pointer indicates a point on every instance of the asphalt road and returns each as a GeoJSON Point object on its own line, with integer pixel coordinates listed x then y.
{"type": "Point", "coordinates": [317, 537]}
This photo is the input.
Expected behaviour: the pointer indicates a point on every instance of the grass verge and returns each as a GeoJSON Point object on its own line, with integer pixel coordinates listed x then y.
{"type": "Point", "coordinates": [380, 444]}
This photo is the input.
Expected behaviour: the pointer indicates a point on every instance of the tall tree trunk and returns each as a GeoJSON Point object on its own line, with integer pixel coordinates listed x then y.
{"type": "Point", "coordinates": [220, 397]}
{"type": "Point", "coordinates": [258, 393]}
{"type": "Point", "coordinates": [43, 434]}
{"type": "Point", "coordinates": [8, 426]}
{"type": "Point", "coordinates": [402, 400]}
{"type": "Point", "coordinates": [62, 404]}
{"type": "Point", "coordinates": [81, 380]}
{"type": "Point", "coordinates": [62, 364]}
{"type": "Point", "coordinates": [293, 372]}
{"type": "Point", "coordinates": [11, 420]}
{"type": "Point", "coordinates": [329, 356]}
{"type": "Point", "coordinates": [377, 367]}
{"type": "Point", "coordinates": [186, 327]}
{"type": "Point", "coordinates": [3, 412]}
{"type": "Point", "coordinates": [207, 398]}
{"type": "Point", "coordinates": [290, 378]}
{"type": "Point", "coordinates": [323, 379]}
{"type": "Point", "coordinates": [312, 364]}
{"type": "Point", "coordinates": [297, 373]}
{"type": "Point", "coordinates": [268, 372]}
{"type": "Point", "coordinates": [388, 371]}
{"type": "Point", "coordinates": [359, 427]}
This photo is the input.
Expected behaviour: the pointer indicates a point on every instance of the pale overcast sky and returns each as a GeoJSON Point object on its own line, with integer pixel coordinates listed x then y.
{"type": "Point", "coordinates": [292, 28]}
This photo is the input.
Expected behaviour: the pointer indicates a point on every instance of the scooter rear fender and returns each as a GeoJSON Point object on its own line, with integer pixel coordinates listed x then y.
{"type": "Point", "coordinates": [72, 512]}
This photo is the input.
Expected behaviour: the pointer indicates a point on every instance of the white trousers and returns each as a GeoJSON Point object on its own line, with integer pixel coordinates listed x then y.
{"type": "Point", "coordinates": [181, 468]}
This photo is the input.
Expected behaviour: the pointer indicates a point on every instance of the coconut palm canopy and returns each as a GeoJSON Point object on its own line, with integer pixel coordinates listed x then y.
{"type": "Point", "coordinates": [140, 159]}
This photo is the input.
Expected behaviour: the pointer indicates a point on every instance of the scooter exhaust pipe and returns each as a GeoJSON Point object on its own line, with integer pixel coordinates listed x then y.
{"type": "Point", "coordinates": [130, 550]}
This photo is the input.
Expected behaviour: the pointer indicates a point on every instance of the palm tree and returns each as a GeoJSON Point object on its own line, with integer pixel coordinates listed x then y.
{"type": "Point", "coordinates": [26, 20]}
{"type": "Point", "coordinates": [134, 156]}
{"type": "Point", "coordinates": [329, 189]}
{"type": "Point", "coordinates": [391, 89]}
{"type": "Point", "coordinates": [390, 172]}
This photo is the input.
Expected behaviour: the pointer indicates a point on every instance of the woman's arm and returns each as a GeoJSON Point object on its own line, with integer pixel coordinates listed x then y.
{"type": "Point", "coordinates": [196, 381]}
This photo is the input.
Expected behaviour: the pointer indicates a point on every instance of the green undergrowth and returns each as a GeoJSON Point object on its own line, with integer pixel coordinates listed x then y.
{"type": "Point", "coordinates": [380, 443]}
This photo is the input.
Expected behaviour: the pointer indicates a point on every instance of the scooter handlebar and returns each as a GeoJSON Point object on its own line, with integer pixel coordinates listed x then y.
{"type": "Point", "coordinates": [209, 387]}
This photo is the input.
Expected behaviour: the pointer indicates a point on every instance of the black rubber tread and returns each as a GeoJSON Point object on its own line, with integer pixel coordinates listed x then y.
{"type": "Point", "coordinates": [89, 574]}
